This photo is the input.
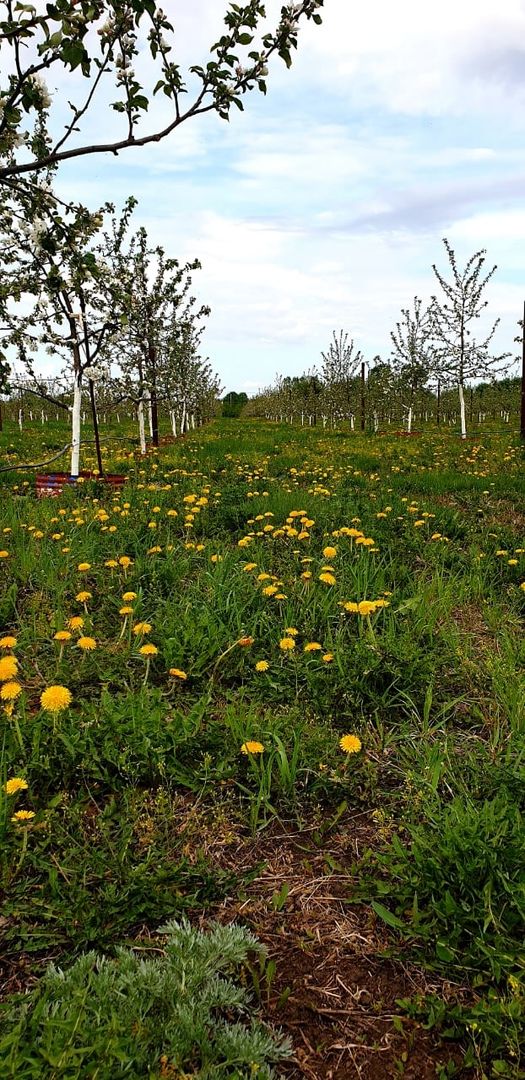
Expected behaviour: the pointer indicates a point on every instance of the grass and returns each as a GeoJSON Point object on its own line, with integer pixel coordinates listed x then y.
{"type": "Point", "coordinates": [242, 546]}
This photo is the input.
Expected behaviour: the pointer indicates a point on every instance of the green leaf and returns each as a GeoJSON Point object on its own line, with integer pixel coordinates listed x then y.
{"type": "Point", "coordinates": [444, 953]}
{"type": "Point", "coordinates": [387, 916]}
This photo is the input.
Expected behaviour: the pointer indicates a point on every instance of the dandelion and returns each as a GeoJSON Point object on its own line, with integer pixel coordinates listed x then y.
{"type": "Point", "coordinates": [8, 668]}
{"type": "Point", "coordinates": [329, 552]}
{"type": "Point", "coordinates": [55, 699]}
{"type": "Point", "coordinates": [366, 607]}
{"type": "Point", "coordinates": [262, 665]}
{"type": "Point", "coordinates": [111, 564]}
{"type": "Point", "coordinates": [83, 566]}
{"type": "Point", "coordinates": [176, 673]}
{"type": "Point", "coordinates": [148, 650]}
{"type": "Point", "coordinates": [328, 657]}
{"type": "Point", "coordinates": [16, 784]}
{"type": "Point", "coordinates": [87, 644]}
{"type": "Point", "coordinates": [4, 554]}
{"type": "Point", "coordinates": [328, 579]}
{"type": "Point", "coordinates": [291, 631]}
{"type": "Point", "coordinates": [351, 744]}
{"type": "Point", "coordinates": [126, 609]}
{"type": "Point", "coordinates": [252, 747]}
{"type": "Point", "coordinates": [83, 596]}
{"type": "Point", "coordinates": [10, 691]}
{"type": "Point", "coordinates": [312, 646]}
{"type": "Point", "coordinates": [287, 644]}
{"type": "Point", "coordinates": [125, 561]}
{"type": "Point", "coordinates": [246, 641]}
{"type": "Point", "coordinates": [249, 566]}
{"type": "Point", "coordinates": [23, 815]}
{"type": "Point", "coordinates": [62, 635]}
{"type": "Point", "coordinates": [129, 596]}
{"type": "Point", "coordinates": [76, 622]}
{"type": "Point", "coordinates": [142, 628]}
{"type": "Point", "coordinates": [8, 642]}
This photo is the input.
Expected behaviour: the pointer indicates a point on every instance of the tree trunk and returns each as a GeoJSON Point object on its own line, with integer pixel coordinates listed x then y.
{"type": "Point", "coordinates": [75, 424]}
{"type": "Point", "coordinates": [462, 412]}
{"type": "Point", "coordinates": [140, 418]}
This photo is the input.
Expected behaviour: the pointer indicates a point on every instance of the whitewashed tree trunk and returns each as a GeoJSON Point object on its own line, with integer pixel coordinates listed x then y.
{"type": "Point", "coordinates": [173, 423]}
{"type": "Point", "coordinates": [142, 433]}
{"type": "Point", "coordinates": [409, 420]}
{"type": "Point", "coordinates": [75, 425]}
{"type": "Point", "coordinates": [20, 419]}
{"type": "Point", "coordinates": [376, 421]}
{"type": "Point", "coordinates": [42, 417]}
{"type": "Point", "coordinates": [352, 422]}
{"type": "Point", "coordinates": [192, 421]}
{"type": "Point", "coordinates": [302, 419]}
{"type": "Point", "coordinates": [462, 412]}
{"type": "Point", "coordinates": [30, 415]}
{"type": "Point", "coordinates": [147, 399]}
{"type": "Point", "coordinates": [183, 419]}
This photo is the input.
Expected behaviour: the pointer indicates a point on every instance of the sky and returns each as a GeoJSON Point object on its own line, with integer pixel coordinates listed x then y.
{"type": "Point", "coordinates": [323, 206]}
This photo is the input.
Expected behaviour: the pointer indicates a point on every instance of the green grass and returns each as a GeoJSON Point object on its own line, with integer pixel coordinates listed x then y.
{"type": "Point", "coordinates": [431, 682]}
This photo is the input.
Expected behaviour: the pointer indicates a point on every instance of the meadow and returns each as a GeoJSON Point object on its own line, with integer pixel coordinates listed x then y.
{"type": "Point", "coordinates": [263, 744]}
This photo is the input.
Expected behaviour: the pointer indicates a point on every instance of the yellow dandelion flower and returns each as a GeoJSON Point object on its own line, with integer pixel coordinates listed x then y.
{"type": "Point", "coordinates": [9, 691]}
{"type": "Point", "coordinates": [512, 562]}
{"type": "Point", "coordinates": [126, 609]}
{"type": "Point", "coordinates": [291, 631]}
{"type": "Point", "coordinates": [328, 579]}
{"type": "Point", "coordinates": [351, 744]}
{"type": "Point", "coordinates": [87, 644]}
{"type": "Point", "coordinates": [111, 564]}
{"type": "Point", "coordinates": [16, 784]}
{"type": "Point", "coordinates": [8, 668]}
{"type": "Point", "coordinates": [83, 596]}
{"type": "Point", "coordinates": [366, 607]}
{"type": "Point", "coordinates": [84, 566]}
{"type": "Point", "coordinates": [351, 606]}
{"type": "Point", "coordinates": [176, 673]}
{"type": "Point", "coordinates": [252, 747]}
{"type": "Point", "coordinates": [4, 554]}
{"type": "Point", "coordinates": [262, 665]}
{"type": "Point", "coordinates": [76, 622]}
{"type": "Point", "coordinates": [328, 657]}
{"type": "Point", "coordinates": [329, 552]}
{"type": "Point", "coordinates": [125, 561]}
{"type": "Point", "coordinates": [148, 650]}
{"type": "Point", "coordinates": [128, 596]}
{"type": "Point", "coordinates": [62, 635]}
{"type": "Point", "coordinates": [23, 815]}
{"type": "Point", "coordinates": [312, 646]}
{"type": "Point", "coordinates": [55, 698]}
{"type": "Point", "coordinates": [287, 644]}
{"type": "Point", "coordinates": [142, 628]}
{"type": "Point", "coordinates": [270, 590]}
{"type": "Point", "coordinates": [249, 566]}
{"type": "Point", "coordinates": [8, 642]}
